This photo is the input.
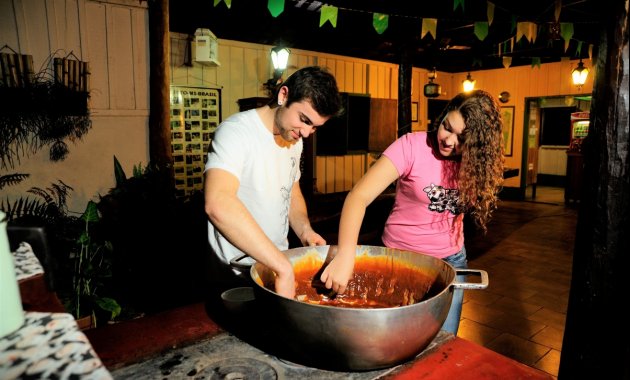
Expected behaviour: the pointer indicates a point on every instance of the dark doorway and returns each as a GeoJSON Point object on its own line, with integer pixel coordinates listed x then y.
{"type": "Point", "coordinates": [556, 125]}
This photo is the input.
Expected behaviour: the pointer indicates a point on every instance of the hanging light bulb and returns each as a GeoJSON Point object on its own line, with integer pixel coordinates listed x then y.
{"type": "Point", "coordinates": [579, 74]}
{"type": "Point", "coordinates": [469, 83]}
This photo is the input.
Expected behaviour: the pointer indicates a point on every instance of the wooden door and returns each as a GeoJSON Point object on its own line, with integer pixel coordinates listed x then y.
{"type": "Point", "coordinates": [532, 132]}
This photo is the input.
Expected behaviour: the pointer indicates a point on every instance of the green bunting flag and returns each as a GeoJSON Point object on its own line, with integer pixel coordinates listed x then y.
{"type": "Point", "coordinates": [481, 30]}
{"type": "Point", "coordinates": [490, 13]}
{"type": "Point", "coordinates": [275, 7]}
{"type": "Point", "coordinates": [380, 22]}
{"type": "Point", "coordinates": [513, 24]}
{"type": "Point", "coordinates": [228, 3]}
{"type": "Point", "coordinates": [477, 62]}
{"type": "Point", "coordinates": [536, 61]}
{"type": "Point", "coordinates": [578, 50]}
{"type": "Point", "coordinates": [429, 25]}
{"type": "Point", "coordinates": [566, 31]}
{"type": "Point", "coordinates": [328, 13]}
{"type": "Point", "coordinates": [457, 3]}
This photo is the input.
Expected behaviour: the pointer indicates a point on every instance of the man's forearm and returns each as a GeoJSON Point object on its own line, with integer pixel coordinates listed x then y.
{"type": "Point", "coordinates": [298, 214]}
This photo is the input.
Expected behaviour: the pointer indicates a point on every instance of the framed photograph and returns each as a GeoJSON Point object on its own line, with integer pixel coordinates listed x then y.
{"type": "Point", "coordinates": [414, 111]}
{"type": "Point", "coordinates": [507, 113]}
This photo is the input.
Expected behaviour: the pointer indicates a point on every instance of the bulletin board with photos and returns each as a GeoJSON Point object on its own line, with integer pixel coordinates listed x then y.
{"type": "Point", "coordinates": [195, 115]}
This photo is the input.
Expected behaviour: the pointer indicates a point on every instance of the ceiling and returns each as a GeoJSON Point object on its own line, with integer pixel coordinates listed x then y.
{"type": "Point", "coordinates": [454, 49]}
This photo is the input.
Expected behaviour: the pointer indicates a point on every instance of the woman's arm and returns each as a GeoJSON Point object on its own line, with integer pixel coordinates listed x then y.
{"type": "Point", "coordinates": [370, 186]}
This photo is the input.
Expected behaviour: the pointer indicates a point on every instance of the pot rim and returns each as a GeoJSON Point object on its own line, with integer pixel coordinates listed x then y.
{"type": "Point", "coordinates": [255, 277]}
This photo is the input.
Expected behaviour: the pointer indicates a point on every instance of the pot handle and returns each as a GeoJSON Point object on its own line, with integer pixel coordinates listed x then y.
{"type": "Point", "coordinates": [236, 262]}
{"type": "Point", "coordinates": [471, 285]}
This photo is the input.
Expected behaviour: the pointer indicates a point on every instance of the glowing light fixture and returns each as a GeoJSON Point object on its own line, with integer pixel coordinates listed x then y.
{"type": "Point", "coordinates": [279, 60]}
{"type": "Point", "coordinates": [579, 74]}
{"type": "Point", "coordinates": [469, 83]}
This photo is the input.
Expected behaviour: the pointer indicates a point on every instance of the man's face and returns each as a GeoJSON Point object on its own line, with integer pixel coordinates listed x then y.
{"type": "Point", "coordinates": [299, 120]}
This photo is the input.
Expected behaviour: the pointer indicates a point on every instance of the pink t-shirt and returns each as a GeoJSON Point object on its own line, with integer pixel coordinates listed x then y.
{"type": "Point", "coordinates": [425, 217]}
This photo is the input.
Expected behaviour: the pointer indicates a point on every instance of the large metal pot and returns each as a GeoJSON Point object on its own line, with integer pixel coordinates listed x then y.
{"type": "Point", "coordinates": [361, 339]}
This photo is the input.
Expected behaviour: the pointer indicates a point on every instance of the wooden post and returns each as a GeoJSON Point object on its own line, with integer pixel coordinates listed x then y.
{"type": "Point", "coordinates": [159, 117]}
{"type": "Point", "coordinates": [404, 94]}
{"type": "Point", "coordinates": [596, 336]}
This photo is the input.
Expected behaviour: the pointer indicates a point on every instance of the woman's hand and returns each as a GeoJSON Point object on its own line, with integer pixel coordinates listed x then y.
{"type": "Point", "coordinates": [338, 272]}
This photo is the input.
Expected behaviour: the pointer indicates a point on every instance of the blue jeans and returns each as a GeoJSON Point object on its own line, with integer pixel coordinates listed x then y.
{"type": "Point", "coordinates": [458, 261]}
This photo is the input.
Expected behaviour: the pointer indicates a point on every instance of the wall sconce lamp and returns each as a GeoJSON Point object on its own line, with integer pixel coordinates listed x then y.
{"type": "Point", "coordinates": [469, 83]}
{"type": "Point", "coordinates": [279, 59]}
{"type": "Point", "coordinates": [432, 90]}
{"type": "Point", "coordinates": [579, 74]}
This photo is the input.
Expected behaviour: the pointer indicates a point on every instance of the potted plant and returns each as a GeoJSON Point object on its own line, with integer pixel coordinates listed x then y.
{"type": "Point", "coordinates": [92, 271]}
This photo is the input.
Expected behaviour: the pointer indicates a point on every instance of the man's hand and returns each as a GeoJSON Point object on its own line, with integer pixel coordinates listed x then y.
{"type": "Point", "coordinates": [310, 238]}
{"type": "Point", "coordinates": [285, 285]}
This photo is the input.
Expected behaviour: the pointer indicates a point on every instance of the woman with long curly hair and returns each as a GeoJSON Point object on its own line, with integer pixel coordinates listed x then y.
{"type": "Point", "coordinates": [455, 168]}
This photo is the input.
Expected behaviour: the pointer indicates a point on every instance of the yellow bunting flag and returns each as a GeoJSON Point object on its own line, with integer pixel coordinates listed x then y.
{"type": "Point", "coordinates": [507, 61]}
{"type": "Point", "coordinates": [429, 25]}
{"type": "Point", "coordinates": [536, 61]}
{"type": "Point", "coordinates": [590, 51]}
{"type": "Point", "coordinates": [481, 30]}
{"type": "Point", "coordinates": [526, 29]}
{"type": "Point", "coordinates": [457, 3]}
{"type": "Point", "coordinates": [328, 13]}
{"type": "Point", "coordinates": [556, 12]}
{"type": "Point", "coordinates": [566, 31]}
{"type": "Point", "coordinates": [490, 13]}
{"type": "Point", "coordinates": [275, 7]}
{"type": "Point", "coordinates": [380, 22]}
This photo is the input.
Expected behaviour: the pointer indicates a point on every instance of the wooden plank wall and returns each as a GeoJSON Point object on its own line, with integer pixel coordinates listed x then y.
{"type": "Point", "coordinates": [111, 35]}
{"type": "Point", "coordinates": [551, 79]}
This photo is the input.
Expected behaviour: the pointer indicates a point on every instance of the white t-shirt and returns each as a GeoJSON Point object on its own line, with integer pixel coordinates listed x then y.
{"type": "Point", "coordinates": [243, 146]}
